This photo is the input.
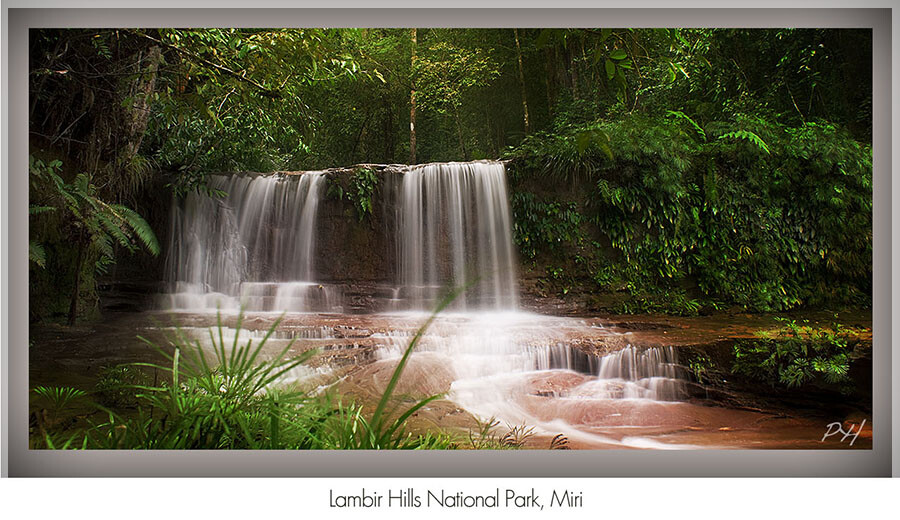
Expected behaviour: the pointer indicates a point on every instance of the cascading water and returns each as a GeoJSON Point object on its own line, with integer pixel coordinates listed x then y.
{"type": "Point", "coordinates": [501, 362]}
{"type": "Point", "coordinates": [254, 247]}
{"type": "Point", "coordinates": [455, 229]}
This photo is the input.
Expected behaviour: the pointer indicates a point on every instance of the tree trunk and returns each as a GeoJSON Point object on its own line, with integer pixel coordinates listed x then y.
{"type": "Point", "coordinates": [389, 131]}
{"type": "Point", "coordinates": [573, 72]}
{"type": "Point", "coordinates": [584, 65]}
{"type": "Point", "coordinates": [549, 73]}
{"type": "Point", "coordinates": [412, 105]}
{"type": "Point", "coordinates": [73, 305]}
{"type": "Point", "coordinates": [522, 83]}
{"type": "Point", "coordinates": [136, 116]}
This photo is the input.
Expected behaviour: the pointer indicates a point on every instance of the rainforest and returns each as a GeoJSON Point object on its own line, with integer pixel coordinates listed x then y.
{"type": "Point", "coordinates": [434, 238]}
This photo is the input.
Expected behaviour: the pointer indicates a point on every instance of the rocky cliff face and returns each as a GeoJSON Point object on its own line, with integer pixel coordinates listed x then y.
{"type": "Point", "coordinates": [353, 247]}
{"type": "Point", "coordinates": [356, 251]}
{"type": "Point", "coordinates": [359, 253]}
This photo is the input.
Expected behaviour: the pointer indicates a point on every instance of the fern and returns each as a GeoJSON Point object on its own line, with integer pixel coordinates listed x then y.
{"type": "Point", "coordinates": [593, 137]}
{"type": "Point", "coordinates": [37, 210]}
{"type": "Point", "coordinates": [114, 230]}
{"type": "Point", "coordinates": [58, 396]}
{"type": "Point", "coordinates": [796, 354]}
{"type": "Point", "coordinates": [90, 221]}
{"type": "Point", "coordinates": [747, 136]}
{"type": "Point", "coordinates": [141, 229]}
{"type": "Point", "coordinates": [37, 254]}
{"type": "Point", "coordinates": [107, 224]}
{"type": "Point", "coordinates": [684, 117]}
{"type": "Point", "coordinates": [104, 244]}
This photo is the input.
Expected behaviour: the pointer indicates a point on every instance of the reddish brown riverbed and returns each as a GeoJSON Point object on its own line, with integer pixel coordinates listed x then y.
{"type": "Point", "coordinates": [359, 352]}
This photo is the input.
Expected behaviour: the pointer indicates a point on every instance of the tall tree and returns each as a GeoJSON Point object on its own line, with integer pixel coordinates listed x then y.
{"type": "Point", "coordinates": [522, 82]}
{"type": "Point", "coordinates": [412, 102]}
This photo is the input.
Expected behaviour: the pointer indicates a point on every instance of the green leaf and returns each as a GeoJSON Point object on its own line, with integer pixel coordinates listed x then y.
{"type": "Point", "coordinates": [747, 136]}
{"type": "Point", "coordinates": [610, 69]}
{"type": "Point", "coordinates": [141, 228]}
{"type": "Point", "coordinates": [684, 117]}
{"type": "Point", "coordinates": [37, 254]}
{"type": "Point", "coordinates": [618, 54]}
{"type": "Point", "coordinates": [36, 210]}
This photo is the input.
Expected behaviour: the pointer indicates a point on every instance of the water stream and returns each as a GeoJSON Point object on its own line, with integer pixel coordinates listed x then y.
{"type": "Point", "coordinates": [250, 242]}
{"type": "Point", "coordinates": [456, 228]}
{"type": "Point", "coordinates": [255, 247]}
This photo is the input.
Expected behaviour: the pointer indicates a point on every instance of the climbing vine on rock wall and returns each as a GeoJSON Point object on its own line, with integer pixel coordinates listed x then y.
{"type": "Point", "coordinates": [541, 225]}
{"type": "Point", "coordinates": [362, 190]}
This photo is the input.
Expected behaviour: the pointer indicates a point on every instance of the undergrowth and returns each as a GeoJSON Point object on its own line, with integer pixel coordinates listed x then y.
{"type": "Point", "coordinates": [796, 354]}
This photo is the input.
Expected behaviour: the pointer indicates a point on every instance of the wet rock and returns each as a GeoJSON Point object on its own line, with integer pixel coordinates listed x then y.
{"type": "Point", "coordinates": [555, 383]}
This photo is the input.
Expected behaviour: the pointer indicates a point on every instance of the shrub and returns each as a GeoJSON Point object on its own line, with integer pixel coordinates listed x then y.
{"type": "Point", "coordinates": [797, 354]}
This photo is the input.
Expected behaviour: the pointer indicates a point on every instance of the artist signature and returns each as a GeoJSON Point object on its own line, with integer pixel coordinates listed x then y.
{"type": "Point", "coordinates": [836, 428]}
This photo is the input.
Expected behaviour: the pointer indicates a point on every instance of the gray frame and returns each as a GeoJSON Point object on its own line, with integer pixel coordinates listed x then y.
{"type": "Point", "coordinates": [23, 462]}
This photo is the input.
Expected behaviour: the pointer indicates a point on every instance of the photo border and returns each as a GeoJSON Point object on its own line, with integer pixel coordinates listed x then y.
{"type": "Point", "coordinates": [20, 461]}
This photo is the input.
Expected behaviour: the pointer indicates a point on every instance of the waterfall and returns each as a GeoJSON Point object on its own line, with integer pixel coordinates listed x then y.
{"type": "Point", "coordinates": [487, 350]}
{"type": "Point", "coordinates": [255, 246]}
{"type": "Point", "coordinates": [456, 228]}
{"type": "Point", "coordinates": [632, 373]}
{"type": "Point", "coordinates": [250, 242]}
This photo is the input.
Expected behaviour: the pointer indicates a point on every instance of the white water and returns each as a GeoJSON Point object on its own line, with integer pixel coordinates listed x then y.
{"type": "Point", "coordinates": [256, 247]}
{"type": "Point", "coordinates": [253, 247]}
{"type": "Point", "coordinates": [512, 366]}
{"type": "Point", "coordinates": [455, 229]}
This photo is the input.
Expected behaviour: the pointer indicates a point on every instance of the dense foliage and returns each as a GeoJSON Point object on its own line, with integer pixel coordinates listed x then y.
{"type": "Point", "coordinates": [693, 167]}
{"type": "Point", "coordinates": [705, 191]}
{"type": "Point", "coordinates": [753, 213]}
{"type": "Point", "coordinates": [798, 354]}
{"type": "Point", "coordinates": [74, 212]}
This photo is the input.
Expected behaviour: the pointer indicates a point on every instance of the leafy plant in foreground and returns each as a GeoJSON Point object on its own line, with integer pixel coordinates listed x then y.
{"type": "Point", "coordinates": [233, 400]}
{"type": "Point", "coordinates": [58, 397]}
{"type": "Point", "coordinates": [797, 354]}
{"type": "Point", "coordinates": [96, 227]}
{"type": "Point", "coordinates": [221, 402]}
{"type": "Point", "coordinates": [382, 432]}
{"type": "Point", "coordinates": [484, 437]}
{"type": "Point", "coordinates": [116, 384]}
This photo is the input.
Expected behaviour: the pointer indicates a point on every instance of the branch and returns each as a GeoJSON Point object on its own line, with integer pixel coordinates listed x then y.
{"type": "Point", "coordinates": [390, 71]}
{"type": "Point", "coordinates": [265, 91]}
